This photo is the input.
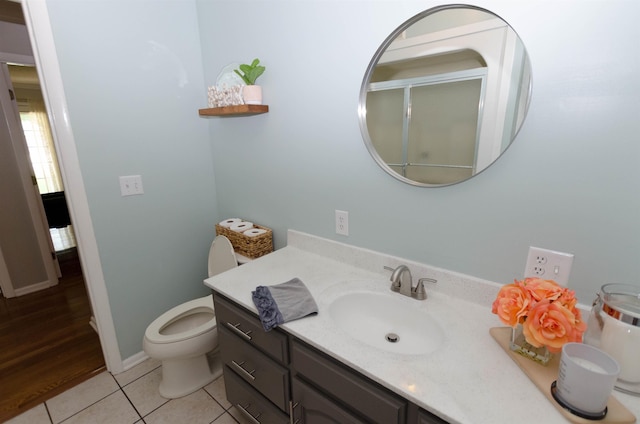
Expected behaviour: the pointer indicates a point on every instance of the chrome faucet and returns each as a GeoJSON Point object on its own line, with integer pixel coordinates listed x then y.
{"type": "Point", "coordinates": [402, 282]}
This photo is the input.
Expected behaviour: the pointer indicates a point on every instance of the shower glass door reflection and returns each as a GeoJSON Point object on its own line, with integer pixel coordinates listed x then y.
{"type": "Point", "coordinates": [428, 131]}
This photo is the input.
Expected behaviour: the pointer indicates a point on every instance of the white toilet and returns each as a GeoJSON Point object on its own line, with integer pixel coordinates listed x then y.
{"type": "Point", "coordinates": [185, 338]}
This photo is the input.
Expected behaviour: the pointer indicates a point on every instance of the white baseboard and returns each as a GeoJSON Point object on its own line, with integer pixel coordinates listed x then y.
{"type": "Point", "coordinates": [33, 288]}
{"type": "Point", "coordinates": [134, 360]}
{"type": "Point", "coordinates": [94, 324]}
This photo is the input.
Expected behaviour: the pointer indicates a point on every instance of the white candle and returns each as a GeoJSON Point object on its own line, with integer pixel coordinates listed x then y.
{"type": "Point", "coordinates": [591, 366]}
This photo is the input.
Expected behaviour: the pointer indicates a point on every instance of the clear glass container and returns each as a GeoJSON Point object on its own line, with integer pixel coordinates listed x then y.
{"type": "Point", "coordinates": [519, 344]}
{"type": "Point", "coordinates": [614, 326]}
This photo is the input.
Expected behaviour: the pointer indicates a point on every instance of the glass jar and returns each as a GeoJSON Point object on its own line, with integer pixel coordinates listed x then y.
{"type": "Point", "coordinates": [614, 326]}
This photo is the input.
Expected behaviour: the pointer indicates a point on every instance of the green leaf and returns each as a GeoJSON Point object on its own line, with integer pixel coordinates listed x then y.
{"type": "Point", "coordinates": [250, 72]}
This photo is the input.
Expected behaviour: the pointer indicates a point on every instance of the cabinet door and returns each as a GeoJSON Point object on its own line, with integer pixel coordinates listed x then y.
{"type": "Point", "coordinates": [363, 396]}
{"type": "Point", "coordinates": [425, 417]}
{"type": "Point", "coordinates": [311, 407]}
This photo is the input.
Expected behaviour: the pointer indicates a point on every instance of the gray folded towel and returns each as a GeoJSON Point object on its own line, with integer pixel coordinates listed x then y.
{"type": "Point", "coordinates": [283, 303]}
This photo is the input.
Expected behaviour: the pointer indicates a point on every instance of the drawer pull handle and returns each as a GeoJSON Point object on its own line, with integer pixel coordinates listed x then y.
{"type": "Point", "coordinates": [240, 367]}
{"type": "Point", "coordinates": [238, 331]}
{"type": "Point", "coordinates": [248, 414]}
{"type": "Point", "coordinates": [292, 406]}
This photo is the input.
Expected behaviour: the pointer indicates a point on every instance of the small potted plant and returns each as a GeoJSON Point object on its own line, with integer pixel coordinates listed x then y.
{"type": "Point", "coordinates": [251, 93]}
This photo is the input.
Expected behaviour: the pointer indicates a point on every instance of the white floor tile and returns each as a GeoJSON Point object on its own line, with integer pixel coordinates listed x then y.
{"type": "Point", "coordinates": [81, 396]}
{"type": "Point", "coordinates": [143, 392]}
{"type": "Point", "coordinates": [196, 408]}
{"type": "Point", "coordinates": [114, 409]}
{"type": "Point", "coordinates": [217, 390]}
{"type": "Point", "coordinates": [37, 415]}
{"type": "Point", "coordinates": [136, 372]}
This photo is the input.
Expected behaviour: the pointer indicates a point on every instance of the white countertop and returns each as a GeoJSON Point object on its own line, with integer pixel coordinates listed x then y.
{"type": "Point", "coordinates": [469, 379]}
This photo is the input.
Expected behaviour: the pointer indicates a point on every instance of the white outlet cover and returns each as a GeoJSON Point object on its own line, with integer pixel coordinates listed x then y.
{"type": "Point", "coordinates": [342, 222]}
{"type": "Point", "coordinates": [548, 265]}
{"type": "Point", "coordinates": [131, 185]}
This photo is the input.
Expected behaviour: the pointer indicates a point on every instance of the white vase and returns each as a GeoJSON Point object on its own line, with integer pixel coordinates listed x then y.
{"type": "Point", "coordinates": [252, 94]}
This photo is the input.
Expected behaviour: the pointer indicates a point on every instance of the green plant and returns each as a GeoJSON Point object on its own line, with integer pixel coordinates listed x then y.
{"type": "Point", "coordinates": [250, 73]}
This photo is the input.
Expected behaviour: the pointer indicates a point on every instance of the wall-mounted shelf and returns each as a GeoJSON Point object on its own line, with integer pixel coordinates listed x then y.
{"type": "Point", "coordinates": [234, 110]}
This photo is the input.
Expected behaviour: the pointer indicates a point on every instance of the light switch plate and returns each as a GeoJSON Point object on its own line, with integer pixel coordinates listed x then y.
{"type": "Point", "coordinates": [131, 185]}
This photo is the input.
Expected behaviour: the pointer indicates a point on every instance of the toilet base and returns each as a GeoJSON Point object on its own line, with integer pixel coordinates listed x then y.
{"type": "Point", "coordinates": [181, 377]}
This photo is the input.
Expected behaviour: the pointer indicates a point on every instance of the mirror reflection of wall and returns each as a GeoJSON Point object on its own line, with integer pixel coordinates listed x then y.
{"type": "Point", "coordinates": [445, 95]}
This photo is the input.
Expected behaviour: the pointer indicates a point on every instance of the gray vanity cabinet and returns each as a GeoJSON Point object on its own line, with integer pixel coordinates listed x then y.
{"type": "Point", "coordinates": [273, 377]}
{"type": "Point", "coordinates": [255, 364]}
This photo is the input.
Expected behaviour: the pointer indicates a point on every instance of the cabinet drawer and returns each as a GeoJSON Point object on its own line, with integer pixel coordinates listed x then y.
{"type": "Point", "coordinates": [249, 328]}
{"type": "Point", "coordinates": [425, 417]}
{"type": "Point", "coordinates": [362, 395]}
{"type": "Point", "coordinates": [264, 374]}
{"type": "Point", "coordinates": [250, 402]}
{"type": "Point", "coordinates": [311, 407]}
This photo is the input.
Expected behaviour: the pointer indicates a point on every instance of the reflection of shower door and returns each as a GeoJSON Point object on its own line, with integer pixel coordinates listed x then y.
{"type": "Point", "coordinates": [442, 142]}
{"type": "Point", "coordinates": [426, 129]}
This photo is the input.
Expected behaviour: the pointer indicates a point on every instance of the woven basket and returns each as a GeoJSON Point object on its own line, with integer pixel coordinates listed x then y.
{"type": "Point", "coordinates": [251, 247]}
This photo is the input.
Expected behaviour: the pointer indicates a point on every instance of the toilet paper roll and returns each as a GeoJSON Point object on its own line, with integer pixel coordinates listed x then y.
{"type": "Point", "coordinates": [254, 232]}
{"type": "Point", "coordinates": [229, 222]}
{"type": "Point", "coordinates": [241, 227]}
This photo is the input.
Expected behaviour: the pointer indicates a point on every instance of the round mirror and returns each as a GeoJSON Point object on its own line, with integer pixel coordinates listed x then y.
{"type": "Point", "coordinates": [444, 95]}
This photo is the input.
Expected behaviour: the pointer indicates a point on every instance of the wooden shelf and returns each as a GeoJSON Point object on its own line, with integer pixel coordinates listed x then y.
{"type": "Point", "coordinates": [234, 110]}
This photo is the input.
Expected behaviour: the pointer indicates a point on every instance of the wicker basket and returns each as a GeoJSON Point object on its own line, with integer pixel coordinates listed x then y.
{"type": "Point", "coordinates": [251, 247]}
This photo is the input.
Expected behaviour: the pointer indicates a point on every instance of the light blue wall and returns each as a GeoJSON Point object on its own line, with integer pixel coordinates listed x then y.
{"type": "Point", "coordinates": [569, 182]}
{"type": "Point", "coordinates": [134, 79]}
{"type": "Point", "coordinates": [132, 72]}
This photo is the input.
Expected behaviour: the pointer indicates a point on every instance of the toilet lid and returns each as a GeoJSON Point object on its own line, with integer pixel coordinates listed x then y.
{"type": "Point", "coordinates": [204, 304]}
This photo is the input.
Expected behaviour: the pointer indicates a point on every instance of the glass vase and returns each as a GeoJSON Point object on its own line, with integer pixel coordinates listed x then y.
{"type": "Point", "coordinates": [520, 345]}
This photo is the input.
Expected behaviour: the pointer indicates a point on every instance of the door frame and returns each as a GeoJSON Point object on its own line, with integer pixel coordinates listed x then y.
{"type": "Point", "coordinates": [44, 51]}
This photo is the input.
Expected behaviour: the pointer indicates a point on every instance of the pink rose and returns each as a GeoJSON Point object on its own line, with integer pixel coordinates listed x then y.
{"type": "Point", "coordinates": [511, 304]}
{"type": "Point", "coordinates": [551, 324]}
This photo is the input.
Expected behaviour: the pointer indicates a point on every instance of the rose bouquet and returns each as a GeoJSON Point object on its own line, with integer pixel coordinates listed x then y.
{"type": "Point", "coordinates": [546, 310]}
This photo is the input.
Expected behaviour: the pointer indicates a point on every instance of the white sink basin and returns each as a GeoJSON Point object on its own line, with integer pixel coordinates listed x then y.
{"type": "Point", "coordinates": [387, 322]}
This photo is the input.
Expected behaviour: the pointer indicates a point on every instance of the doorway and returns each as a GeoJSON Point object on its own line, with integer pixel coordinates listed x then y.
{"type": "Point", "coordinates": [49, 337]}
{"type": "Point", "coordinates": [49, 343]}
{"type": "Point", "coordinates": [42, 154]}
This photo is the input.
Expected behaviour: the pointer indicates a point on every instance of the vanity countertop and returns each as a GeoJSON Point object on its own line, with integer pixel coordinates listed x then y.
{"type": "Point", "coordinates": [469, 379]}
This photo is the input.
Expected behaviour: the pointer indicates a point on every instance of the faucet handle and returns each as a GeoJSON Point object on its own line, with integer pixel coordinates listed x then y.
{"type": "Point", "coordinates": [419, 292]}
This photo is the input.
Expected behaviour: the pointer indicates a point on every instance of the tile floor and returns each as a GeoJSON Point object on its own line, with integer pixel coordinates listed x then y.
{"type": "Point", "coordinates": [132, 397]}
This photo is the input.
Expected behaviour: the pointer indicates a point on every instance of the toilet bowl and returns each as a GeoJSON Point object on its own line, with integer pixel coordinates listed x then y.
{"type": "Point", "coordinates": [185, 337]}
{"type": "Point", "coordinates": [181, 339]}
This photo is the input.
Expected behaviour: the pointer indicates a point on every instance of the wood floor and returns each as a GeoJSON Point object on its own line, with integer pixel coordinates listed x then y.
{"type": "Point", "coordinates": [46, 342]}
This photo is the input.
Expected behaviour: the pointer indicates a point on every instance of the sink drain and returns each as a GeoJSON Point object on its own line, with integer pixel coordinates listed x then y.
{"type": "Point", "coordinates": [392, 337]}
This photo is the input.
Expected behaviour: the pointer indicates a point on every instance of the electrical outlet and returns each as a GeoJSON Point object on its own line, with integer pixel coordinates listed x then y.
{"type": "Point", "coordinates": [548, 265]}
{"type": "Point", "coordinates": [342, 222]}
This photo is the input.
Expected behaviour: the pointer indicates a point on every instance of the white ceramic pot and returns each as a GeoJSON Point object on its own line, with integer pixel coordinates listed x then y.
{"type": "Point", "coordinates": [252, 94]}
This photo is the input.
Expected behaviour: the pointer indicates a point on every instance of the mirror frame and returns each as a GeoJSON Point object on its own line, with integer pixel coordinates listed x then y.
{"type": "Point", "coordinates": [362, 101]}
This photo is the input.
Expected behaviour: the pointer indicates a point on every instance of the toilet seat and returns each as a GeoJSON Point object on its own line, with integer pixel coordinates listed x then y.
{"type": "Point", "coordinates": [203, 304]}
